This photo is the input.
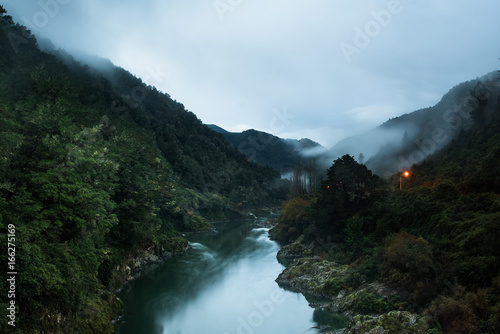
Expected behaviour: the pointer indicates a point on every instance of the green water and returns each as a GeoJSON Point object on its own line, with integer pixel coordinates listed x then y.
{"type": "Point", "coordinates": [224, 285]}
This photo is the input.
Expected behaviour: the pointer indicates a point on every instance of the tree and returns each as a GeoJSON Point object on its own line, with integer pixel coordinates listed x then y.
{"type": "Point", "coordinates": [349, 188]}
{"type": "Point", "coordinates": [297, 185]}
{"type": "Point", "coordinates": [353, 181]}
{"type": "Point", "coordinates": [361, 158]}
{"type": "Point", "coordinates": [408, 264]}
{"type": "Point", "coordinates": [89, 187]}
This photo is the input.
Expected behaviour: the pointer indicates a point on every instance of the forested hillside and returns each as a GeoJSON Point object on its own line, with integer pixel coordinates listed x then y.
{"type": "Point", "coordinates": [408, 139]}
{"type": "Point", "coordinates": [433, 245]}
{"type": "Point", "coordinates": [396, 144]}
{"type": "Point", "coordinates": [96, 169]}
{"type": "Point", "coordinates": [269, 150]}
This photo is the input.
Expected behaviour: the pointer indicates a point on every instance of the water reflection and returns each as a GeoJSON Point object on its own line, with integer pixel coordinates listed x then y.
{"type": "Point", "coordinates": [224, 285]}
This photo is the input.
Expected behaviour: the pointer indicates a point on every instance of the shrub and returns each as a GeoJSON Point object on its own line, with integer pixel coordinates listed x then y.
{"type": "Point", "coordinates": [347, 281]}
{"type": "Point", "coordinates": [369, 301]}
{"type": "Point", "coordinates": [453, 316]}
{"type": "Point", "coordinates": [407, 263]}
{"type": "Point", "coordinates": [293, 219]}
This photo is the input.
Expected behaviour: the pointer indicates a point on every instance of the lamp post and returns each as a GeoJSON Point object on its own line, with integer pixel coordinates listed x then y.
{"type": "Point", "coordinates": [405, 174]}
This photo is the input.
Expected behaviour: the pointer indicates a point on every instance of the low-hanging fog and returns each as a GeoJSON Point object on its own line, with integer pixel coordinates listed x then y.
{"type": "Point", "coordinates": [325, 70]}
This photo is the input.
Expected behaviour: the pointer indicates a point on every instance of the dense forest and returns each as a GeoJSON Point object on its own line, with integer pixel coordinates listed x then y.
{"type": "Point", "coordinates": [432, 236]}
{"type": "Point", "coordinates": [269, 150]}
{"type": "Point", "coordinates": [97, 168]}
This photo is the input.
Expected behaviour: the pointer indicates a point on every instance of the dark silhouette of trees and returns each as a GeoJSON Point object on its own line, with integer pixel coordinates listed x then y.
{"type": "Point", "coordinates": [304, 179]}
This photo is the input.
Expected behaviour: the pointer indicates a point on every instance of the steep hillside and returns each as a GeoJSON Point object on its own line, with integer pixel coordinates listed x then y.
{"type": "Point", "coordinates": [269, 150]}
{"type": "Point", "coordinates": [217, 129]}
{"type": "Point", "coordinates": [426, 252]}
{"type": "Point", "coordinates": [408, 139]}
{"type": "Point", "coordinates": [99, 170]}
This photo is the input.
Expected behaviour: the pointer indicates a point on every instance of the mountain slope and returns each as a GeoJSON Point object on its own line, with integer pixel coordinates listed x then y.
{"type": "Point", "coordinates": [99, 170]}
{"type": "Point", "coordinates": [428, 247]}
{"type": "Point", "coordinates": [217, 129]}
{"type": "Point", "coordinates": [269, 150]}
{"type": "Point", "coordinates": [408, 139]}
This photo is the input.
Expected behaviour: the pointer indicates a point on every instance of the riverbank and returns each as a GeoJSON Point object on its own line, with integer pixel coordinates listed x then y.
{"type": "Point", "coordinates": [225, 282]}
{"type": "Point", "coordinates": [135, 264]}
{"type": "Point", "coordinates": [373, 307]}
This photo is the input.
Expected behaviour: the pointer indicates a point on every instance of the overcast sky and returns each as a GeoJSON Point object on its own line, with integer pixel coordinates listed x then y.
{"type": "Point", "coordinates": [322, 69]}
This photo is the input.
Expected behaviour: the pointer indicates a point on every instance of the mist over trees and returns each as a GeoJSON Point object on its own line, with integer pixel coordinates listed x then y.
{"type": "Point", "coordinates": [269, 150]}
{"type": "Point", "coordinates": [408, 139]}
{"type": "Point", "coordinates": [434, 240]}
{"type": "Point", "coordinates": [391, 147]}
{"type": "Point", "coordinates": [97, 169]}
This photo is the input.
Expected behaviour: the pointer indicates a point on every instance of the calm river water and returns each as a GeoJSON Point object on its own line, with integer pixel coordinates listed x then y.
{"type": "Point", "coordinates": [224, 285]}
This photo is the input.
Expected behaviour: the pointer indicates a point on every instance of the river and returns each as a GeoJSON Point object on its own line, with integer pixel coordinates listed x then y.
{"type": "Point", "coordinates": [223, 285]}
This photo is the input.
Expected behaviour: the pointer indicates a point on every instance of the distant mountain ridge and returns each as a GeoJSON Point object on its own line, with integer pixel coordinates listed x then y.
{"type": "Point", "coordinates": [416, 233]}
{"type": "Point", "coordinates": [410, 138]}
{"type": "Point", "coordinates": [393, 146]}
{"type": "Point", "coordinates": [217, 128]}
{"type": "Point", "coordinates": [269, 150]}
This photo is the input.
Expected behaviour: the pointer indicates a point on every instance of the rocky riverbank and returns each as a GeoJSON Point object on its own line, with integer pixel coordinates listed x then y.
{"type": "Point", "coordinates": [136, 263]}
{"type": "Point", "coordinates": [372, 306]}
{"type": "Point", "coordinates": [141, 260]}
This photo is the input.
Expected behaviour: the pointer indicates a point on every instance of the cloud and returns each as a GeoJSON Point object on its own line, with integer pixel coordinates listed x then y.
{"type": "Point", "coordinates": [373, 113]}
{"type": "Point", "coordinates": [237, 66]}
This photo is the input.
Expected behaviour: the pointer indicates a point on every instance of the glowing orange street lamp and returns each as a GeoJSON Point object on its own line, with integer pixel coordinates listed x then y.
{"type": "Point", "coordinates": [405, 174]}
